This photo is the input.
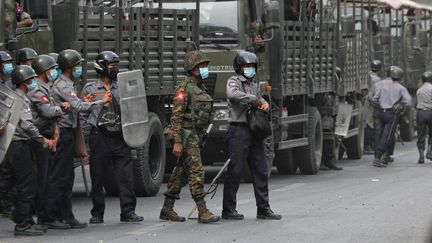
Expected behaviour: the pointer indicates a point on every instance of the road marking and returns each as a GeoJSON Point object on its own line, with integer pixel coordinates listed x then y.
{"type": "Point", "coordinates": [289, 187]}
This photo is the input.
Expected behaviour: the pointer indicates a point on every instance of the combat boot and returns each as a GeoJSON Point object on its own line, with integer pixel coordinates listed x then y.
{"type": "Point", "coordinates": [429, 152]}
{"type": "Point", "coordinates": [378, 162]}
{"type": "Point", "coordinates": [387, 159]}
{"type": "Point", "coordinates": [204, 215]}
{"type": "Point", "coordinates": [167, 212]}
{"type": "Point", "coordinates": [421, 158]}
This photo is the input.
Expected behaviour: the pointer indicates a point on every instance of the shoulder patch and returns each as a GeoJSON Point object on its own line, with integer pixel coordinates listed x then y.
{"type": "Point", "coordinates": [180, 95]}
{"type": "Point", "coordinates": [71, 94]}
{"type": "Point", "coordinates": [26, 108]}
{"type": "Point", "coordinates": [233, 84]}
{"type": "Point", "coordinates": [44, 100]}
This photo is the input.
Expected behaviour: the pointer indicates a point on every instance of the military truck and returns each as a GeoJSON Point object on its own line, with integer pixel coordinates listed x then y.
{"type": "Point", "coordinates": [304, 43]}
{"type": "Point", "coordinates": [402, 37]}
{"type": "Point", "coordinates": [146, 38]}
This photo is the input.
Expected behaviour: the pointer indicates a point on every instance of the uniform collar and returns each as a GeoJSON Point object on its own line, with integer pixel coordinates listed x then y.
{"type": "Point", "coordinates": [43, 84]}
{"type": "Point", "coordinates": [63, 77]}
{"type": "Point", "coordinates": [100, 85]}
{"type": "Point", "coordinates": [243, 79]}
{"type": "Point", "coordinates": [192, 80]}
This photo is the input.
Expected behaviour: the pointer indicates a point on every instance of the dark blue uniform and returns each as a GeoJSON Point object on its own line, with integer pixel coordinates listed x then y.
{"type": "Point", "coordinates": [108, 148]}
{"type": "Point", "coordinates": [244, 148]}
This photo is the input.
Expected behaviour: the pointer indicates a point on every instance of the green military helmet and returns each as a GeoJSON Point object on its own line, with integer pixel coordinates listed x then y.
{"type": "Point", "coordinates": [68, 59]}
{"type": "Point", "coordinates": [193, 59]}
{"type": "Point", "coordinates": [25, 54]}
{"type": "Point", "coordinates": [22, 73]}
{"type": "Point", "coordinates": [5, 57]}
{"type": "Point", "coordinates": [376, 65]}
{"type": "Point", "coordinates": [53, 55]}
{"type": "Point", "coordinates": [427, 77]}
{"type": "Point", "coordinates": [395, 73]}
{"type": "Point", "coordinates": [42, 63]}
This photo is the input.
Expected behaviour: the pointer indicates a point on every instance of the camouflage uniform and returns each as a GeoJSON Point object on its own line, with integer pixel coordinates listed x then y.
{"type": "Point", "coordinates": [256, 30]}
{"type": "Point", "coordinates": [190, 115]}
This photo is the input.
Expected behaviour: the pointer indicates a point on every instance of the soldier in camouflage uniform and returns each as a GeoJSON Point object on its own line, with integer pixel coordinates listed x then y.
{"type": "Point", "coordinates": [190, 116]}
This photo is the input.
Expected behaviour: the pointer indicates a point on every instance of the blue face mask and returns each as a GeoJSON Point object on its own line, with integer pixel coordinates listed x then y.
{"type": "Point", "coordinates": [204, 72]}
{"type": "Point", "coordinates": [52, 75]}
{"type": "Point", "coordinates": [7, 68]}
{"type": "Point", "coordinates": [77, 72]}
{"type": "Point", "coordinates": [59, 72]}
{"type": "Point", "coordinates": [32, 85]}
{"type": "Point", "coordinates": [249, 72]}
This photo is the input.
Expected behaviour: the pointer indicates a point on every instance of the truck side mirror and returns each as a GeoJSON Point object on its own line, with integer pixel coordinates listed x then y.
{"type": "Point", "coordinates": [423, 38]}
{"type": "Point", "coordinates": [11, 45]}
{"type": "Point", "coordinates": [273, 20]}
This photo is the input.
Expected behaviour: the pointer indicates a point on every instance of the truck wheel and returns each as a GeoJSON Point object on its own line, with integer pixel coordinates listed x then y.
{"type": "Point", "coordinates": [355, 144]}
{"type": "Point", "coordinates": [284, 161]}
{"type": "Point", "coordinates": [406, 126]}
{"type": "Point", "coordinates": [269, 154]}
{"type": "Point", "coordinates": [309, 156]}
{"type": "Point", "coordinates": [149, 167]}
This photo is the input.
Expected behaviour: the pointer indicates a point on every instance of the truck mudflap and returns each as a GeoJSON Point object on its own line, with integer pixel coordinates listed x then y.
{"type": "Point", "coordinates": [11, 107]}
{"type": "Point", "coordinates": [133, 104]}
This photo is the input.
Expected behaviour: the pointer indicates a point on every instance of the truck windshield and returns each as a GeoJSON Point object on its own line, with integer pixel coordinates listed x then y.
{"type": "Point", "coordinates": [218, 20]}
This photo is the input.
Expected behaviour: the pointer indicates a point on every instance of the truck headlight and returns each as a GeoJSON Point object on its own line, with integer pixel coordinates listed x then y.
{"type": "Point", "coordinates": [221, 115]}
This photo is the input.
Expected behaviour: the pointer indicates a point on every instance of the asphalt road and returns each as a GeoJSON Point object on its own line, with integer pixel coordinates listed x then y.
{"type": "Point", "coordinates": [359, 204]}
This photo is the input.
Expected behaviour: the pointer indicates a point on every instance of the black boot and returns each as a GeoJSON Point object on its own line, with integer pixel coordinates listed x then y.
{"type": "Point", "coordinates": [387, 158]}
{"type": "Point", "coordinates": [421, 157]}
{"type": "Point", "coordinates": [332, 166]}
{"type": "Point", "coordinates": [378, 162]}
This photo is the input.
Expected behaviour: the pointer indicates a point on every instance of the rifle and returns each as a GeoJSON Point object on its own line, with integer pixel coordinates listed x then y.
{"type": "Point", "coordinates": [213, 185]}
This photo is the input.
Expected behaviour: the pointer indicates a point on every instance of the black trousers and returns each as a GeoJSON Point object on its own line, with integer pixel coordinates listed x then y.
{"type": "Point", "coordinates": [61, 176]}
{"type": "Point", "coordinates": [369, 140]}
{"type": "Point", "coordinates": [385, 125]}
{"type": "Point", "coordinates": [18, 170]}
{"type": "Point", "coordinates": [244, 148]}
{"type": "Point", "coordinates": [105, 150]}
{"type": "Point", "coordinates": [424, 127]}
{"type": "Point", "coordinates": [42, 158]}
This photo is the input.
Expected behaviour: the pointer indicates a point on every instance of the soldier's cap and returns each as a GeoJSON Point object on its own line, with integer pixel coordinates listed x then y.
{"type": "Point", "coordinates": [22, 73]}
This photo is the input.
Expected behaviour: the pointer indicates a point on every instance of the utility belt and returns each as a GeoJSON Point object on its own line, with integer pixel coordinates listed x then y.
{"type": "Point", "coordinates": [96, 131]}
{"type": "Point", "coordinates": [386, 110]}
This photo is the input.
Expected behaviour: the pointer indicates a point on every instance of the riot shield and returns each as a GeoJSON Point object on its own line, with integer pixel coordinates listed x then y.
{"type": "Point", "coordinates": [11, 108]}
{"type": "Point", "coordinates": [367, 112]}
{"type": "Point", "coordinates": [133, 105]}
{"type": "Point", "coordinates": [343, 119]}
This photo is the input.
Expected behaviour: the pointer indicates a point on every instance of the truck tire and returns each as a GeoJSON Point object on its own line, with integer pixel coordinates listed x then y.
{"type": "Point", "coordinates": [309, 156]}
{"type": "Point", "coordinates": [406, 126]}
{"type": "Point", "coordinates": [284, 161]}
{"type": "Point", "coordinates": [269, 154]}
{"type": "Point", "coordinates": [355, 144]}
{"type": "Point", "coordinates": [149, 167]}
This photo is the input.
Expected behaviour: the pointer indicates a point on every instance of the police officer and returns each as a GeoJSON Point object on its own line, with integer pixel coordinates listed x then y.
{"type": "Point", "coordinates": [424, 116]}
{"type": "Point", "coordinates": [45, 116]}
{"type": "Point", "coordinates": [369, 142]}
{"type": "Point", "coordinates": [242, 92]}
{"type": "Point", "coordinates": [17, 168]}
{"type": "Point", "coordinates": [61, 172]}
{"type": "Point", "coordinates": [391, 99]}
{"type": "Point", "coordinates": [107, 143]}
{"type": "Point", "coordinates": [191, 111]}
{"type": "Point", "coordinates": [25, 56]}
{"type": "Point", "coordinates": [6, 68]}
